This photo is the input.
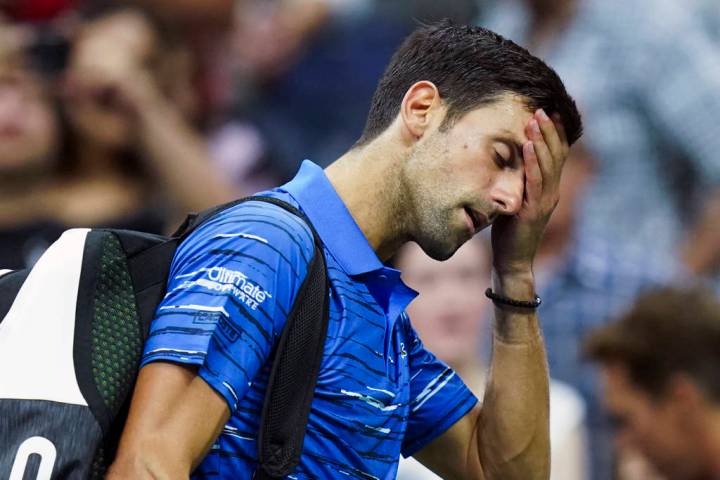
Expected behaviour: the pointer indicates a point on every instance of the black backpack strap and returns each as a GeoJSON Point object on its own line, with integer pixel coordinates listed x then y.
{"type": "Point", "coordinates": [298, 356]}
{"type": "Point", "coordinates": [194, 220]}
{"type": "Point", "coordinates": [293, 377]}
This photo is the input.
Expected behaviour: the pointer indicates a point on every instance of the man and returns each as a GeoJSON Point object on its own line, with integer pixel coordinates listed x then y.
{"type": "Point", "coordinates": [459, 136]}
{"type": "Point", "coordinates": [659, 365]}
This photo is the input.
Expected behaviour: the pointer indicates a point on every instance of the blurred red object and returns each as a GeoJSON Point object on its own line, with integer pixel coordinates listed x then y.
{"type": "Point", "coordinates": [36, 10]}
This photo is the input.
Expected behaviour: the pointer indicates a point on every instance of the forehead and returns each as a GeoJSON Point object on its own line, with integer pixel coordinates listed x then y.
{"type": "Point", "coordinates": [506, 116]}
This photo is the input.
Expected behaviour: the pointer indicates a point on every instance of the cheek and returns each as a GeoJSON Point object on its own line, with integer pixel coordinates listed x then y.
{"type": "Point", "coordinates": [656, 434]}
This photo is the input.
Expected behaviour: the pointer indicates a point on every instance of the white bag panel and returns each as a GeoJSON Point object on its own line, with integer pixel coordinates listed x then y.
{"type": "Point", "coordinates": [36, 336]}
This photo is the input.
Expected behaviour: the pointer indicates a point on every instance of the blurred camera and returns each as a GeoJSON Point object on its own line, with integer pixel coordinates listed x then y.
{"type": "Point", "coordinates": [48, 51]}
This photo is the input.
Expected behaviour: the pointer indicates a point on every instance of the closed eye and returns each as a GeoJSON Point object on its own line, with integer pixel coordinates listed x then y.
{"type": "Point", "coordinates": [509, 151]}
{"type": "Point", "coordinates": [501, 161]}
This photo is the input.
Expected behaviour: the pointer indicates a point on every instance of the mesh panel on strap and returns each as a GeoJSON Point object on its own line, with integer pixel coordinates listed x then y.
{"type": "Point", "coordinates": [294, 375]}
{"type": "Point", "coordinates": [116, 339]}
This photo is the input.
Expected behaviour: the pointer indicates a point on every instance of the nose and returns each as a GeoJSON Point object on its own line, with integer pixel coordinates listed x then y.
{"type": "Point", "coordinates": [508, 193]}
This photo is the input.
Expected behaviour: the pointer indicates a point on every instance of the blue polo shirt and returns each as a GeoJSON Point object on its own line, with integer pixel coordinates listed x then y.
{"type": "Point", "coordinates": [232, 283]}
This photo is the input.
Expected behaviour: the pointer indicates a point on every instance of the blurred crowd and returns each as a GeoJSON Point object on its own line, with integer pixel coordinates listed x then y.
{"type": "Point", "coordinates": [132, 113]}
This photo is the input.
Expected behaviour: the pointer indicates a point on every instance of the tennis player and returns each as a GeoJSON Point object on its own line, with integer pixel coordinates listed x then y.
{"type": "Point", "coordinates": [466, 130]}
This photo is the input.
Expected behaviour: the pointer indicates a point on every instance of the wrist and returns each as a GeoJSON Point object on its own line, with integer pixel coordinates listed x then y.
{"type": "Point", "coordinates": [517, 267]}
{"type": "Point", "coordinates": [516, 325]}
{"type": "Point", "coordinates": [511, 303]}
{"type": "Point", "coordinates": [518, 285]}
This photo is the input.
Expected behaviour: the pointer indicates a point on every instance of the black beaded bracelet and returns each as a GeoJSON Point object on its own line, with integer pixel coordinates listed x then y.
{"type": "Point", "coordinates": [500, 300]}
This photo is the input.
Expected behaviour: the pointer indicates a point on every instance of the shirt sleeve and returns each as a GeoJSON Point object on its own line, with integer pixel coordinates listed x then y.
{"type": "Point", "coordinates": [231, 286]}
{"type": "Point", "coordinates": [438, 397]}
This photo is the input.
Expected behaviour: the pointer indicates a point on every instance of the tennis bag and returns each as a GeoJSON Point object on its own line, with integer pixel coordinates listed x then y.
{"type": "Point", "coordinates": [71, 338]}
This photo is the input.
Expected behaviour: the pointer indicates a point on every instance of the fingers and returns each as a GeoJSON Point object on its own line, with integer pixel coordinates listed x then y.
{"type": "Point", "coordinates": [553, 139]}
{"type": "Point", "coordinates": [533, 174]}
{"type": "Point", "coordinates": [543, 155]}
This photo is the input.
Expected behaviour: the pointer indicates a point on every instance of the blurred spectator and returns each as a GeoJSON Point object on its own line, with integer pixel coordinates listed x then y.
{"type": "Point", "coordinates": [29, 143]}
{"type": "Point", "coordinates": [206, 26]}
{"type": "Point", "coordinates": [647, 77]}
{"type": "Point", "coordinates": [202, 31]}
{"type": "Point", "coordinates": [659, 364]}
{"type": "Point", "coordinates": [128, 156]}
{"type": "Point", "coordinates": [450, 316]}
{"type": "Point", "coordinates": [129, 98]}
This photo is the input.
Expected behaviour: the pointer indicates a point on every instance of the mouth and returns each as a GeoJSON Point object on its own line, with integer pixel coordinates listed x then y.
{"type": "Point", "coordinates": [476, 220]}
{"type": "Point", "coordinates": [10, 131]}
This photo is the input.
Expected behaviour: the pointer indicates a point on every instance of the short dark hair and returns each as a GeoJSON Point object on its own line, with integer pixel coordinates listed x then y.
{"type": "Point", "coordinates": [471, 67]}
{"type": "Point", "coordinates": [666, 332]}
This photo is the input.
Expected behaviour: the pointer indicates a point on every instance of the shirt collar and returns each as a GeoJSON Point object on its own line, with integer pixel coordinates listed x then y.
{"type": "Point", "coordinates": [332, 220]}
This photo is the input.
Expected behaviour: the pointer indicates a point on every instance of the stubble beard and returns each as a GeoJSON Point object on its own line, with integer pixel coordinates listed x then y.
{"type": "Point", "coordinates": [429, 204]}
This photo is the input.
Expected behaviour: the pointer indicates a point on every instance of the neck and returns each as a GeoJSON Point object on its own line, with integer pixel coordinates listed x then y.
{"type": "Point", "coordinates": [367, 180]}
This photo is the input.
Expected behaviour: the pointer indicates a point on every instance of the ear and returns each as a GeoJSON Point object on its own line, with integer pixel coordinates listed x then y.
{"type": "Point", "coordinates": [420, 107]}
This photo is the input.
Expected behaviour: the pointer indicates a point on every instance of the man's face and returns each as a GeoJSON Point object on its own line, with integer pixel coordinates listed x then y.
{"type": "Point", "coordinates": [460, 179]}
{"type": "Point", "coordinates": [655, 428]}
{"type": "Point", "coordinates": [448, 314]}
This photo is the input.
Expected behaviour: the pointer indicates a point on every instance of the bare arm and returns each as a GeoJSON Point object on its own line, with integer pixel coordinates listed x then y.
{"type": "Point", "coordinates": [174, 419]}
{"type": "Point", "coordinates": [514, 437]}
{"type": "Point", "coordinates": [176, 152]}
{"type": "Point", "coordinates": [508, 437]}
